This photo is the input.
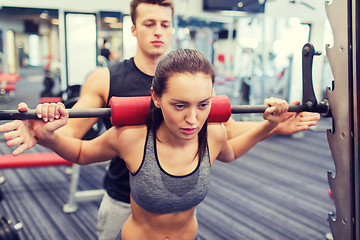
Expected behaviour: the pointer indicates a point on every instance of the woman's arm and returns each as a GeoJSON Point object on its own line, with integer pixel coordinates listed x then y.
{"type": "Point", "coordinates": [237, 146]}
{"type": "Point", "coordinates": [83, 152]}
{"type": "Point", "coordinates": [72, 149]}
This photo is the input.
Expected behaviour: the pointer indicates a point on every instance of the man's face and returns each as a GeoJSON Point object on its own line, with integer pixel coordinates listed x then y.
{"type": "Point", "coordinates": [153, 29]}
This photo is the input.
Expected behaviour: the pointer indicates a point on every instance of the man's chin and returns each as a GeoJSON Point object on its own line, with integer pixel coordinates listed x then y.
{"type": "Point", "coordinates": [157, 52]}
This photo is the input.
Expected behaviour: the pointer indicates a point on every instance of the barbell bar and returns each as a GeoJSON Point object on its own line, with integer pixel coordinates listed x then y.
{"type": "Point", "coordinates": [133, 110]}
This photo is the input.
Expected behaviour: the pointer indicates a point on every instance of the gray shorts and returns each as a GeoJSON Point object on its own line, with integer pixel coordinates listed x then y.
{"type": "Point", "coordinates": [111, 217]}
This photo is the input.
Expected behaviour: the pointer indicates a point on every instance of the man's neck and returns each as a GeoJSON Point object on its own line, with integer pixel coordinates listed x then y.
{"type": "Point", "coordinates": [146, 64]}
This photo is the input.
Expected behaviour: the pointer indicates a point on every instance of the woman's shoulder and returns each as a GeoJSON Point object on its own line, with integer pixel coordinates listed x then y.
{"type": "Point", "coordinates": [216, 132]}
{"type": "Point", "coordinates": [127, 142]}
{"type": "Point", "coordinates": [127, 139]}
{"type": "Point", "coordinates": [131, 133]}
{"type": "Point", "coordinates": [217, 137]}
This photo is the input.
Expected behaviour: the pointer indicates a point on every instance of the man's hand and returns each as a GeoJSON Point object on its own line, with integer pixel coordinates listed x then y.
{"type": "Point", "coordinates": [19, 132]}
{"type": "Point", "coordinates": [297, 122]}
{"type": "Point", "coordinates": [290, 123]}
{"type": "Point", "coordinates": [26, 133]}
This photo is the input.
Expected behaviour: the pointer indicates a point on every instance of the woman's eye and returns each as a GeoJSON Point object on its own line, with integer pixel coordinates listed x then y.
{"type": "Point", "coordinates": [204, 105]}
{"type": "Point", "coordinates": [179, 106]}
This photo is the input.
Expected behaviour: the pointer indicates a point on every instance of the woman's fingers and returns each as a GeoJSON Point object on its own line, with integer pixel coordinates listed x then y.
{"type": "Point", "coordinates": [49, 111]}
{"type": "Point", "coordinates": [277, 106]}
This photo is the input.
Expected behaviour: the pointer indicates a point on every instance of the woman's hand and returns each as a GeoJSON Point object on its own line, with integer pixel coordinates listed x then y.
{"type": "Point", "coordinates": [53, 115]}
{"type": "Point", "coordinates": [276, 113]}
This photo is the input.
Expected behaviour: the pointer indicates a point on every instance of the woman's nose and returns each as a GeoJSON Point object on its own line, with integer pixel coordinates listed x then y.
{"type": "Point", "coordinates": [191, 116]}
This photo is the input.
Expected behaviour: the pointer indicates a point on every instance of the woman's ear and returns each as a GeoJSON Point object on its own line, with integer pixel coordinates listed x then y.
{"type": "Point", "coordinates": [155, 98]}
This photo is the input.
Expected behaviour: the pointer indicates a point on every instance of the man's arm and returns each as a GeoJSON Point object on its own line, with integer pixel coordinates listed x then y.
{"type": "Point", "coordinates": [295, 122]}
{"type": "Point", "coordinates": [94, 94]}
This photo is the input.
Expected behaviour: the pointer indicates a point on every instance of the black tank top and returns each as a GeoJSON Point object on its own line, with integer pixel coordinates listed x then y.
{"type": "Point", "coordinates": [126, 80]}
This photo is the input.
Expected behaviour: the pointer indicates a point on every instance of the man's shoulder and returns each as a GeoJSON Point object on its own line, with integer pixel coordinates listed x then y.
{"type": "Point", "coordinates": [126, 71]}
{"type": "Point", "coordinates": [122, 67]}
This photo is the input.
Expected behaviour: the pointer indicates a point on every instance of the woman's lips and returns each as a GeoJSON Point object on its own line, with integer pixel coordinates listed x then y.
{"type": "Point", "coordinates": [188, 131]}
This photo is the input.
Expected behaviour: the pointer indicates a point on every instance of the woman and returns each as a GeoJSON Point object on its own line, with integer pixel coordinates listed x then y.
{"type": "Point", "coordinates": [170, 175]}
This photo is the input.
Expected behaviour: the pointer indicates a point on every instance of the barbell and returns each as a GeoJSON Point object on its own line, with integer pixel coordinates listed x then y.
{"type": "Point", "coordinates": [133, 110]}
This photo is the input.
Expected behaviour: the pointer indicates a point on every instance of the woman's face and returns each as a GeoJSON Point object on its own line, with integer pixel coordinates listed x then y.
{"type": "Point", "coordinates": [185, 104]}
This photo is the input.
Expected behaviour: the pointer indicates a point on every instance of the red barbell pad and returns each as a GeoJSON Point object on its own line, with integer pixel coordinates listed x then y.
{"type": "Point", "coordinates": [220, 109]}
{"type": "Point", "coordinates": [133, 110]}
{"type": "Point", "coordinates": [129, 110]}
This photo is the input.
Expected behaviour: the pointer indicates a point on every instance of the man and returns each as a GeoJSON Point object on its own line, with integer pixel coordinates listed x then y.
{"type": "Point", "coordinates": [152, 26]}
{"type": "Point", "coordinates": [105, 52]}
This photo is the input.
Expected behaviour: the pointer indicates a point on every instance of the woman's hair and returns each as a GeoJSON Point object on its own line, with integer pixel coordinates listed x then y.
{"type": "Point", "coordinates": [187, 61]}
{"type": "Point", "coordinates": [163, 3]}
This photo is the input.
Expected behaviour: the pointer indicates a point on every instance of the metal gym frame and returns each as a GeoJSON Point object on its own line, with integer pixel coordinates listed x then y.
{"type": "Point", "coordinates": [343, 138]}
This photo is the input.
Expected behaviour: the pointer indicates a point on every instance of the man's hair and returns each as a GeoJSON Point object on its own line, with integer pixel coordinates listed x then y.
{"type": "Point", "coordinates": [135, 3]}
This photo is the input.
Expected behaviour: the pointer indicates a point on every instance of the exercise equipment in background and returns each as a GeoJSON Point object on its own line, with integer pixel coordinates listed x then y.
{"type": "Point", "coordinates": [8, 229]}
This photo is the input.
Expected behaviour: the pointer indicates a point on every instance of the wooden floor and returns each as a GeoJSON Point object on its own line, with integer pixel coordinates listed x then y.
{"type": "Point", "coordinates": [278, 190]}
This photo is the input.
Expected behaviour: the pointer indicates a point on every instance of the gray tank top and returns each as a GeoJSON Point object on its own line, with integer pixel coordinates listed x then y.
{"type": "Point", "coordinates": [157, 191]}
